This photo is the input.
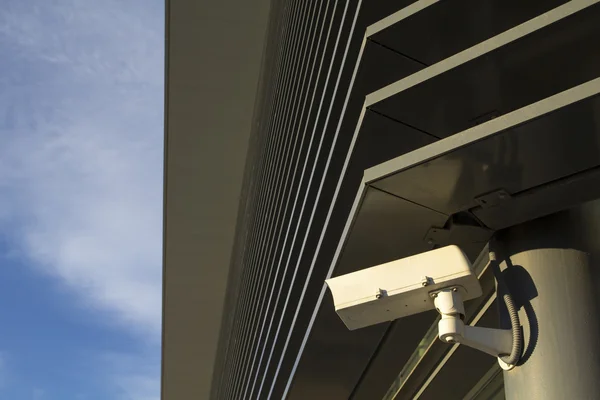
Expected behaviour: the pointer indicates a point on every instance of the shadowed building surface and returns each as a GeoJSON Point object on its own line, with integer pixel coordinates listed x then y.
{"type": "Point", "coordinates": [370, 131]}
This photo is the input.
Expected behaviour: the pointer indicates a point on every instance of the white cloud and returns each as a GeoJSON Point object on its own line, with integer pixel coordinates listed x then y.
{"type": "Point", "coordinates": [81, 161]}
{"type": "Point", "coordinates": [81, 154]}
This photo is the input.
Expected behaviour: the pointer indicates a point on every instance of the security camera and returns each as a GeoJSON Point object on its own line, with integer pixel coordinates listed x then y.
{"type": "Point", "coordinates": [440, 279]}
{"type": "Point", "coordinates": [401, 288]}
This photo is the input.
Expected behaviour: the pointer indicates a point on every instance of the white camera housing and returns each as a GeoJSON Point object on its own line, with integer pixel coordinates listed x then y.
{"type": "Point", "coordinates": [442, 279]}
{"type": "Point", "coordinates": [403, 287]}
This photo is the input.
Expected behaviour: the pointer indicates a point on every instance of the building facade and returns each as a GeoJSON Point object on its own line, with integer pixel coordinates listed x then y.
{"type": "Point", "coordinates": [382, 130]}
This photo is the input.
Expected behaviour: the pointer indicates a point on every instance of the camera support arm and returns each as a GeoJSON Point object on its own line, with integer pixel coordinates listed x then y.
{"type": "Point", "coordinates": [452, 329]}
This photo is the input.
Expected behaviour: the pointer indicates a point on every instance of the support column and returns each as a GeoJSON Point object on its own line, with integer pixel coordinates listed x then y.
{"type": "Point", "coordinates": [551, 266]}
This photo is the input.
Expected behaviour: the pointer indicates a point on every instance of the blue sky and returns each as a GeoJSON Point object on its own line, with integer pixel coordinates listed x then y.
{"type": "Point", "coordinates": [81, 129]}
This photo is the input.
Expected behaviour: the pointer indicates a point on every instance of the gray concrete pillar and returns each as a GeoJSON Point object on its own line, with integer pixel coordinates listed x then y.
{"type": "Point", "coordinates": [551, 266]}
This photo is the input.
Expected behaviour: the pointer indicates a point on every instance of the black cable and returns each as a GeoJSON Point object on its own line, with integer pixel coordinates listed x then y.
{"type": "Point", "coordinates": [517, 345]}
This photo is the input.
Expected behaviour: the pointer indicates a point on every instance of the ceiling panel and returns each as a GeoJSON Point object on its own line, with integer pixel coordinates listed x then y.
{"type": "Point", "coordinates": [386, 228]}
{"type": "Point", "coordinates": [448, 27]}
{"type": "Point", "coordinates": [536, 66]}
{"type": "Point", "coordinates": [514, 160]}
